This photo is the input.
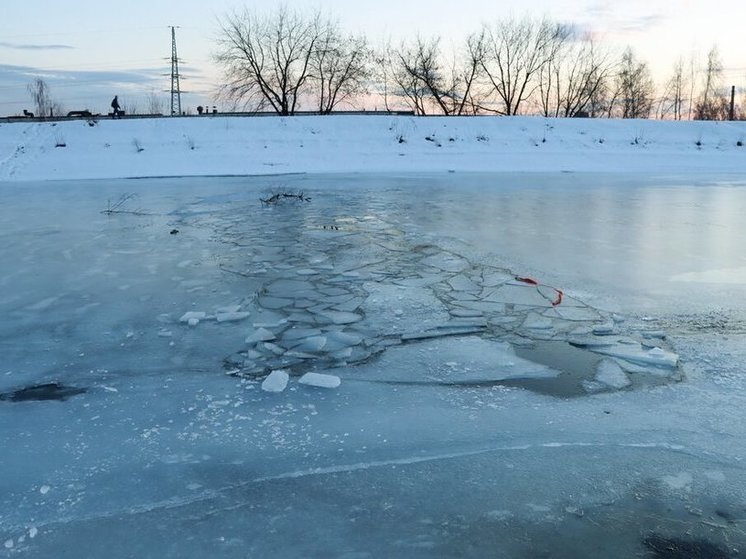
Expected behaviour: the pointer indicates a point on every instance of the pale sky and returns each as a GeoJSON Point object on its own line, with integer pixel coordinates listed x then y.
{"type": "Point", "coordinates": [87, 50]}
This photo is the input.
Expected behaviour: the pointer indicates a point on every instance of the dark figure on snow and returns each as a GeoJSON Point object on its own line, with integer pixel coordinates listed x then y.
{"type": "Point", "coordinates": [115, 107]}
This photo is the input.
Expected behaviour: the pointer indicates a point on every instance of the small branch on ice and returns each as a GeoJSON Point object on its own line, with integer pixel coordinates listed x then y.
{"type": "Point", "coordinates": [277, 198]}
{"type": "Point", "coordinates": [118, 206]}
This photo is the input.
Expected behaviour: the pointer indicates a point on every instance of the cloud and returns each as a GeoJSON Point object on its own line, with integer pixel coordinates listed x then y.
{"type": "Point", "coordinates": [75, 89]}
{"type": "Point", "coordinates": [639, 24]}
{"type": "Point", "coordinates": [605, 16]}
{"type": "Point", "coordinates": [20, 46]}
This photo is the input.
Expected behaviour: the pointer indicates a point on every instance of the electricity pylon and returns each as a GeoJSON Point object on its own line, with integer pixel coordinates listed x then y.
{"type": "Point", "coordinates": [175, 88]}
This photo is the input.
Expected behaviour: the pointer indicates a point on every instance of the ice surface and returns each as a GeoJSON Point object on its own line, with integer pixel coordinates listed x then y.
{"type": "Point", "coordinates": [163, 442]}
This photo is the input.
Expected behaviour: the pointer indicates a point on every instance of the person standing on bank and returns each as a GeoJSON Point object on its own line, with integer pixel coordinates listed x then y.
{"type": "Point", "coordinates": [115, 108]}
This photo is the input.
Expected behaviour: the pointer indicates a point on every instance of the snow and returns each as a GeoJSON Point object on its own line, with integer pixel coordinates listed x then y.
{"type": "Point", "coordinates": [408, 307]}
{"type": "Point", "coordinates": [217, 145]}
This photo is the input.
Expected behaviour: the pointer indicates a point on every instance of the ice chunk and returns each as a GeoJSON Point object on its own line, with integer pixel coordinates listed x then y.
{"type": "Point", "coordinates": [609, 372]}
{"type": "Point", "coordinates": [228, 309]}
{"type": "Point", "coordinates": [275, 302]}
{"type": "Point", "coordinates": [273, 348]}
{"type": "Point", "coordinates": [193, 321]}
{"type": "Point", "coordinates": [638, 354]}
{"type": "Point", "coordinates": [443, 331]}
{"type": "Point", "coordinates": [341, 317]}
{"type": "Point", "coordinates": [339, 340]}
{"type": "Point", "coordinates": [320, 380]}
{"type": "Point", "coordinates": [471, 360]}
{"type": "Point", "coordinates": [232, 316]}
{"type": "Point", "coordinates": [311, 344]}
{"type": "Point", "coordinates": [276, 381]}
{"type": "Point", "coordinates": [446, 262]}
{"type": "Point", "coordinates": [603, 329]}
{"type": "Point", "coordinates": [189, 315]}
{"type": "Point", "coordinates": [659, 334]}
{"type": "Point", "coordinates": [44, 489]}
{"type": "Point", "coordinates": [536, 322]}
{"type": "Point", "coordinates": [260, 335]}
{"type": "Point", "coordinates": [462, 283]}
{"type": "Point", "coordinates": [682, 480]}
{"type": "Point", "coordinates": [466, 313]}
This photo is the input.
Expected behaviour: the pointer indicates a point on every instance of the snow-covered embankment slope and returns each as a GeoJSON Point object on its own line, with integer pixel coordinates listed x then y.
{"type": "Point", "coordinates": [217, 145]}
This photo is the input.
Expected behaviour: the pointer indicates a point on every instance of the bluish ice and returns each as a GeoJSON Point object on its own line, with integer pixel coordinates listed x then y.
{"type": "Point", "coordinates": [383, 369]}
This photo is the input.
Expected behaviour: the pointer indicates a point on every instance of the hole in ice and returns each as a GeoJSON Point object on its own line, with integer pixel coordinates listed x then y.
{"type": "Point", "coordinates": [575, 366]}
{"type": "Point", "coordinates": [39, 392]}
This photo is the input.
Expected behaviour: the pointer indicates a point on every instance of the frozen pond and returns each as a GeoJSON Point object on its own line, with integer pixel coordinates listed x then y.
{"type": "Point", "coordinates": [475, 365]}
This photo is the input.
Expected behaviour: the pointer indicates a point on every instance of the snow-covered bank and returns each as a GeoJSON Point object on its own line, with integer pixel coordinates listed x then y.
{"type": "Point", "coordinates": [217, 145]}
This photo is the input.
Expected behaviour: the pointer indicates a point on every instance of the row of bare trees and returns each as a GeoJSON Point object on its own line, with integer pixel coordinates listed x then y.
{"type": "Point", "coordinates": [284, 59]}
{"type": "Point", "coordinates": [273, 60]}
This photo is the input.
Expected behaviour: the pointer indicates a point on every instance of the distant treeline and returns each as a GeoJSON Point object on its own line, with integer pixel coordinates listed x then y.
{"type": "Point", "coordinates": [286, 60]}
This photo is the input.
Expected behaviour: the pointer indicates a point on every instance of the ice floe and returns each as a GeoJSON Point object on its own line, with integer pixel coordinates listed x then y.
{"type": "Point", "coordinates": [320, 380]}
{"type": "Point", "coordinates": [277, 381]}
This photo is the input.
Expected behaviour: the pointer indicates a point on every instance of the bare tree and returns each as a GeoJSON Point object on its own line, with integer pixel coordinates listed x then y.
{"type": "Point", "coordinates": [154, 103]}
{"type": "Point", "coordinates": [433, 82]}
{"type": "Point", "coordinates": [634, 88]}
{"type": "Point", "coordinates": [571, 80]}
{"type": "Point", "coordinates": [672, 102]}
{"type": "Point", "coordinates": [341, 67]}
{"type": "Point", "coordinates": [128, 105]}
{"type": "Point", "coordinates": [419, 66]}
{"type": "Point", "coordinates": [407, 85]}
{"type": "Point", "coordinates": [712, 104]}
{"type": "Point", "coordinates": [43, 103]}
{"type": "Point", "coordinates": [267, 60]}
{"type": "Point", "coordinates": [382, 74]}
{"type": "Point", "coordinates": [517, 51]}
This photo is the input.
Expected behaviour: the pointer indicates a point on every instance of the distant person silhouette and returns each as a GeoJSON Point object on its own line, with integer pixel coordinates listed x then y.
{"type": "Point", "coordinates": [115, 106]}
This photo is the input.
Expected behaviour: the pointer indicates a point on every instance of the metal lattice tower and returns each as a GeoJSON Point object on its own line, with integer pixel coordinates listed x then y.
{"type": "Point", "coordinates": [175, 88]}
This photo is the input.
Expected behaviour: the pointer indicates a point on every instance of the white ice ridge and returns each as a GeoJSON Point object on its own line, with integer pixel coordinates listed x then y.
{"type": "Point", "coordinates": [344, 468]}
{"type": "Point", "coordinates": [276, 381]}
